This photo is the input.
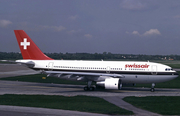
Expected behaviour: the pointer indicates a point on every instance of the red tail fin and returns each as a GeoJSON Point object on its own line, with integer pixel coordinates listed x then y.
{"type": "Point", "coordinates": [29, 49]}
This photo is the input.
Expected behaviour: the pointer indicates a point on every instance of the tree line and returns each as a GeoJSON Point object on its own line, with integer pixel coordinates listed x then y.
{"type": "Point", "coordinates": [93, 56]}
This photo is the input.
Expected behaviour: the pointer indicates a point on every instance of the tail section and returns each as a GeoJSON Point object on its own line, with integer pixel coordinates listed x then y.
{"type": "Point", "coordinates": [29, 49]}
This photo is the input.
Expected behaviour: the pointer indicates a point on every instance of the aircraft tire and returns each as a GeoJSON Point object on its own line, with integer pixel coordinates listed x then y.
{"type": "Point", "coordinates": [86, 89]}
{"type": "Point", "coordinates": [152, 89]}
{"type": "Point", "coordinates": [91, 88]}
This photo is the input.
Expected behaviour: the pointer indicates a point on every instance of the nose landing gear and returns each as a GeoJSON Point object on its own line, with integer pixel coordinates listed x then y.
{"type": "Point", "coordinates": [152, 87]}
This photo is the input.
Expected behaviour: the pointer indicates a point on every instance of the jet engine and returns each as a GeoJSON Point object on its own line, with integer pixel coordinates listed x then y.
{"type": "Point", "coordinates": [110, 83]}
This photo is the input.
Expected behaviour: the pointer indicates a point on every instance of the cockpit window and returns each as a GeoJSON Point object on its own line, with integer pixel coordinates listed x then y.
{"type": "Point", "coordinates": [168, 69]}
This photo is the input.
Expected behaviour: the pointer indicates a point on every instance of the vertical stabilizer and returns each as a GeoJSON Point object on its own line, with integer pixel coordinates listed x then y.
{"type": "Point", "coordinates": [29, 49]}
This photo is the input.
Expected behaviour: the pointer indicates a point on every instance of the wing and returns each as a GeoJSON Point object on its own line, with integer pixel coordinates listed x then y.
{"type": "Point", "coordinates": [84, 76]}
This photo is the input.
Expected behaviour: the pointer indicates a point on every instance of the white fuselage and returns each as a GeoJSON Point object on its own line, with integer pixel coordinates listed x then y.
{"type": "Point", "coordinates": [133, 71]}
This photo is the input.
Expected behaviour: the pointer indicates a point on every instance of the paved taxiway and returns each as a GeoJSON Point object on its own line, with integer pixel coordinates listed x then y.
{"type": "Point", "coordinates": [113, 96]}
{"type": "Point", "coordinates": [30, 111]}
{"type": "Point", "coordinates": [15, 87]}
{"type": "Point", "coordinates": [8, 70]}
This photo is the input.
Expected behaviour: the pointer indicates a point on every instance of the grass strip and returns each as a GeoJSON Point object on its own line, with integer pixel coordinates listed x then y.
{"type": "Point", "coordinates": [162, 104]}
{"type": "Point", "coordinates": [76, 103]}
{"type": "Point", "coordinates": [175, 66]}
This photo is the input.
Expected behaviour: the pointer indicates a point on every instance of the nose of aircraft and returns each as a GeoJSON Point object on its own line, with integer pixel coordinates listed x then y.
{"type": "Point", "coordinates": [175, 75]}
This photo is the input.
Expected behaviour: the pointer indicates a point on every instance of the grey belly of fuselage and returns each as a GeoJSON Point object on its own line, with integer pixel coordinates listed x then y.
{"type": "Point", "coordinates": [147, 78]}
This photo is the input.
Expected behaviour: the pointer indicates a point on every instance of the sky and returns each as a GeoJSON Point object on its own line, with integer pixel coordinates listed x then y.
{"type": "Point", "coordinates": [149, 27]}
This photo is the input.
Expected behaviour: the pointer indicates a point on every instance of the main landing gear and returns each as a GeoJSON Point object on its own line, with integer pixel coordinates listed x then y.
{"type": "Point", "coordinates": [152, 87]}
{"type": "Point", "coordinates": [89, 87]}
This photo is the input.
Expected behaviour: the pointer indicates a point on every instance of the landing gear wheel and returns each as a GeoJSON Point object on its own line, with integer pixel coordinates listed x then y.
{"type": "Point", "coordinates": [86, 89]}
{"type": "Point", "coordinates": [152, 89]}
{"type": "Point", "coordinates": [91, 89]}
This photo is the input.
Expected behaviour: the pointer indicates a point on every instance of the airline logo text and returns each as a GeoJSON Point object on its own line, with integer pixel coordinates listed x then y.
{"type": "Point", "coordinates": [136, 66]}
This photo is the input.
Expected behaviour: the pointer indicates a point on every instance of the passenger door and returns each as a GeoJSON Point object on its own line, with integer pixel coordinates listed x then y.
{"type": "Point", "coordinates": [154, 70]}
{"type": "Point", "coordinates": [50, 66]}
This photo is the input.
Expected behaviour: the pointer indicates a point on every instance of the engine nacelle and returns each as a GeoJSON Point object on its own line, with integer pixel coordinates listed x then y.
{"type": "Point", "coordinates": [110, 83]}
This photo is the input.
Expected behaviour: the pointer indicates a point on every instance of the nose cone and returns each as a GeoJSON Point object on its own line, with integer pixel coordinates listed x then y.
{"type": "Point", "coordinates": [175, 75]}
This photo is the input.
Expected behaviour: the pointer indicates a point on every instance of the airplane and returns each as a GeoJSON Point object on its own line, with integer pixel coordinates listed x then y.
{"type": "Point", "coordinates": [107, 74]}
